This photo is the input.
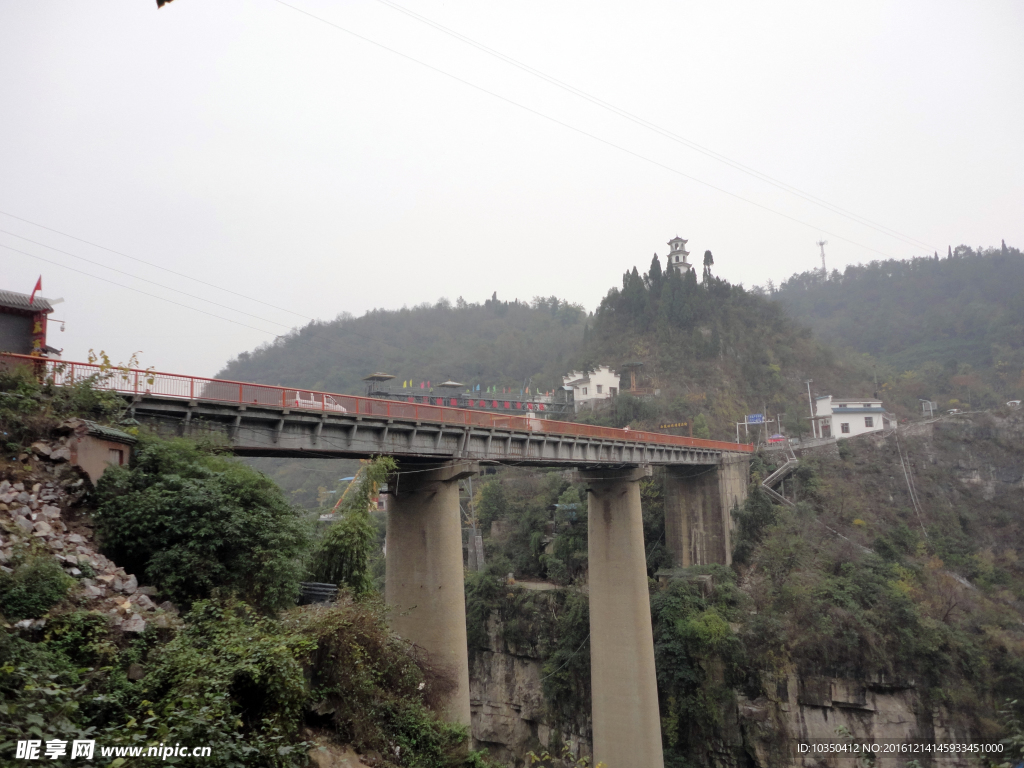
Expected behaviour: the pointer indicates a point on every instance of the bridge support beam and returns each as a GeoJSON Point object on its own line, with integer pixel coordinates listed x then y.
{"type": "Point", "coordinates": [424, 585]}
{"type": "Point", "coordinates": [698, 510]}
{"type": "Point", "coordinates": [627, 726]}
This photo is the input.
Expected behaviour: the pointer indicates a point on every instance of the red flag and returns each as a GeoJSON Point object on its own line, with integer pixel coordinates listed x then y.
{"type": "Point", "coordinates": [39, 287]}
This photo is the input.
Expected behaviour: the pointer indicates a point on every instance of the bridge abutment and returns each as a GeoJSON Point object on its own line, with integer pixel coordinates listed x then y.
{"type": "Point", "coordinates": [698, 510]}
{"type": "Point", "coordinates": [424, 583]}
{"type": "Point", "coordinates": [627, 724]}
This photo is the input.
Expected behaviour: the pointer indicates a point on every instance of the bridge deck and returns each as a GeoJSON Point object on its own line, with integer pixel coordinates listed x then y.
{"type": "Point", "coordinates": [263, 420]}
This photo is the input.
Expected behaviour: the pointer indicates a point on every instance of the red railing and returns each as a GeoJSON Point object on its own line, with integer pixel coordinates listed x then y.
{"type": "Point", "coordinates": [139, 382]}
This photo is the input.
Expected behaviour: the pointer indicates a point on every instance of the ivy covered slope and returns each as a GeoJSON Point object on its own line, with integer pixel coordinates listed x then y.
{"type": "Point", "coordinates": [495, 343]}
{"type": "Point", "coordinates": [199, 643]}
{"type": "Point", "coordinates": [716, 351]}
{"type": "Point", "coordinates": [945, 328]}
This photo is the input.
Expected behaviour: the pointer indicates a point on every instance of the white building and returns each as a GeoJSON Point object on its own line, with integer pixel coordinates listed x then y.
{"type": "Point", "coordinates": [843, 417]}
{"type": "Point", "coordinates": [677, 255]}
{"type": "Point", "coordinates": [590, 387]}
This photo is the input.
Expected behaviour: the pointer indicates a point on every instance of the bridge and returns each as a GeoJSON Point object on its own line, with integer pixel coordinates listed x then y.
{"type": "Point", "coordinates": [436, 446]}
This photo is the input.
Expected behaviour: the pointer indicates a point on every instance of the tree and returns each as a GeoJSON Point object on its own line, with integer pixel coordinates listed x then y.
{"type": "Point", "coordinates": [342, 557]}
{"type": "Point", "coordinates": [191, 521]}
{"type": "Point", "coordinates": [708, 261]}
{"type": "Point", "coordinates": [655, 278]}
{"type": "Point", "coordinates": [700, 427]}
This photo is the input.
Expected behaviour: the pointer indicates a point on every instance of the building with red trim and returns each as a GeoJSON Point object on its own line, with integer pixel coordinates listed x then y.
{"type": "Point", "coordinates": [23, 324]}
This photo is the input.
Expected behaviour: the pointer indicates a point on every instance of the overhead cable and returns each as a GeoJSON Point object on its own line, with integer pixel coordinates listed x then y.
{"type": "Point", "coordinates": [128, 287]}
{"type": "Point", "coordinates": [151, 282]}
{"type": "Point", "coordinates": [659, 129]}
{"type": "Point", "coordinates": [580, 131]}
{"type": "Point", "coordinates": [155, 266]}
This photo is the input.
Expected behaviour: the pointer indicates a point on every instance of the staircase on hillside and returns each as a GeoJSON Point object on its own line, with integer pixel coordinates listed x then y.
{"type": "Point", "coordinates": [780, 474]}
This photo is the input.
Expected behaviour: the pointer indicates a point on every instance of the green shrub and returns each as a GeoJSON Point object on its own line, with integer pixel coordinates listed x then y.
{"type": "Point", "coordinates": [753, 519]}
{"type": "Point", "coordinates": [191, 522]}
{"type": "Point", "coordinates": [35, 586]}
{"type": "Point", "coordinates": [372, 687]}
{"type": "Point", "coordinates": [342, 555]}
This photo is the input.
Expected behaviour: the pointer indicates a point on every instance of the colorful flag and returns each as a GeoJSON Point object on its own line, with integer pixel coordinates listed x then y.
{"type": "Point", "coordinates": [39, 287]}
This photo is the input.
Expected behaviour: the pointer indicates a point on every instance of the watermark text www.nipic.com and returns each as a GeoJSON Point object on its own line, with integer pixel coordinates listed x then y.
{"type": "Point", "coordinates": [51, 749]}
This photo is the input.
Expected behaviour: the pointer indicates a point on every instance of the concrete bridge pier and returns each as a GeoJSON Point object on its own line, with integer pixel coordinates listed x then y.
{"type": "Point", "coordinates": [627, 724]}
{"type": "Point", "coordinates": [698, 510]}
{"type": "Point", "coordinates": [424, 586]}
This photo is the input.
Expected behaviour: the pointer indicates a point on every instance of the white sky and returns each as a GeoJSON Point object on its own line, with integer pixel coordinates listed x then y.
{"type": "Point", "coordinates": [260, 150]}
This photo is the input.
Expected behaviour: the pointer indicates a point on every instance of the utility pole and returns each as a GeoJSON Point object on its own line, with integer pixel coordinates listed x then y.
{"type": "Point", "coordinates": [810, 404]}
{"type": "Point", "coordinates": [822, 244]}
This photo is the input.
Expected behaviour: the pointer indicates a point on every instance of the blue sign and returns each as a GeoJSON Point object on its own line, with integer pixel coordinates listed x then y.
{"type": "Point", "coordinates": [755, 418]}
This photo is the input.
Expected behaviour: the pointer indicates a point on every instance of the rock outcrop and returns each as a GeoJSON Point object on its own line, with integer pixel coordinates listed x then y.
{"type": "Point", "coordinates": [509, 715]}
{"type": "Point", "coordinates": [39, 499]}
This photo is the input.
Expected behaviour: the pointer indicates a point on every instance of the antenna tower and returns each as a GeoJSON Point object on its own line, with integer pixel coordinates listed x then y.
{"type": "Point", "coordinates": [822, 244]}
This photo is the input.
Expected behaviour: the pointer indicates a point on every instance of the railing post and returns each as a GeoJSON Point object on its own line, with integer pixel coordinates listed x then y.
{"type": "Point", "coordinates": [240, 394]}
{"type": "Point", "coordinates": [135, 389]}
{"type": "Point", "coordinates": [191, 388]}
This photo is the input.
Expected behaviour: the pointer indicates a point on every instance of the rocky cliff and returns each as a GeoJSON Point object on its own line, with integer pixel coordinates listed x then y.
{"type": "Point", "coordinates": [931, 524]}
{"type": "Point", "coordinates": [510, 715]}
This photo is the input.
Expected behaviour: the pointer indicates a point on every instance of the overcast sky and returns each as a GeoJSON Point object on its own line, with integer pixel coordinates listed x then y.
{"type": "Point", "coordinates": [260, 150]}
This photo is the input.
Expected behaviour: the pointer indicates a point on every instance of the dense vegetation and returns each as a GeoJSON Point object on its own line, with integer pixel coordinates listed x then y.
{"type": "Point", "coordinates": [191, 522]}
{"type": "Point", "coordinates": [947, 328]}
{"type": "Point", "coordinates": [514, 344]}
{"type": "Point", "coordinates": [244, 671]}
{"type": "Point", "coordinates": [716, 351]}
{"type": "Point", "coordinates": [853, 582]}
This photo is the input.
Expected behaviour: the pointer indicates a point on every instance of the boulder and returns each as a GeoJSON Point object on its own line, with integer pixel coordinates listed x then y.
{"type": "Point", "coordinates": [131, 585]}
{"type": "Point", "coordinates": [24, 523]}
{"type": "Point", "coordinates": [43, 528]}
{"type": "Point", "coordinates": [134, 624]}
{"type": "Point", "coordinates": [143, 602]}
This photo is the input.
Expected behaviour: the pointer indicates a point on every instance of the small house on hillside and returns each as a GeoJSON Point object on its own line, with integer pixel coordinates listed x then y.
{"type": "Point", "coordinates": [590, 388]}
{"type": "Point", "coordinates": [844, 417]}
{"type": "Point", "coordinates": [94, 447]}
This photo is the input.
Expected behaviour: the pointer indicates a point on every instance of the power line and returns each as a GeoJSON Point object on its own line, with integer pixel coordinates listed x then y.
{"type": "Point", "coordinates": [144, 293]}
{"type": "Point", "coordinates": [660, 130]}
{"type": "Point", "coordinates": [151, 282]}
{"type": "Point", "coordinates": [580, 131]}
{"type": "Point", "coordinates": [155, 266]}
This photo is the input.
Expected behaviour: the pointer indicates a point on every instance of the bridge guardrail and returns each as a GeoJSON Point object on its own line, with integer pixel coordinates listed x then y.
{"type": "Point", "coordinates": [145, 382]}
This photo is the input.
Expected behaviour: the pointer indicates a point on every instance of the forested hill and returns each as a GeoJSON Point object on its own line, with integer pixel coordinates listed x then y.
{"type": "Point", "coordinates": [497, 343]}
{"type": "Point", "coordinates": [714, 349]}
{"type": "Point", "coordinates": [965, 309]}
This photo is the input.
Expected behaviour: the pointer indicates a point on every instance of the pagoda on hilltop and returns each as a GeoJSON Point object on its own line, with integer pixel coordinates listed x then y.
{"type": "Point", "coordinates": [677, 255]}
